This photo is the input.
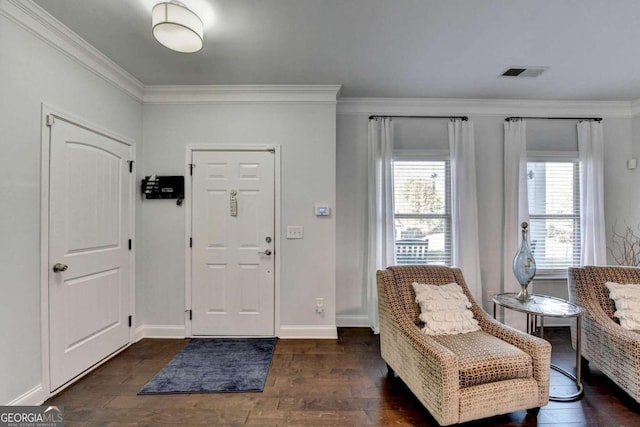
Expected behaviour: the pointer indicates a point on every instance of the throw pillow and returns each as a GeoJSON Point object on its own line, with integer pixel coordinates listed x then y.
{"type": "Point", "coordinates": [627, 300]}
{"type": "Point", "coordinates": [444, 309]}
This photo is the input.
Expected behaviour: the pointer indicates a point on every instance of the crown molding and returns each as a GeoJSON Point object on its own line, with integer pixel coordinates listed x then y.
{"type": "Point", "coordinates": [41, 24]}
{"type": "Point", "coordinates": [207, 94]}
{"type": "Point", "coordinates": [484, 107]}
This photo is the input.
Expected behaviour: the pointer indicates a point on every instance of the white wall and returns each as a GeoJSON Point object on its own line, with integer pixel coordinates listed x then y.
{"type": "Point", "coordinates": [32, 72]}
{"type": "Point", "coordinates": [636, 154]}
{"type": "Point", "coordinates": [621, 198]}
{"type": "Point", "coordinates": [306, 131]}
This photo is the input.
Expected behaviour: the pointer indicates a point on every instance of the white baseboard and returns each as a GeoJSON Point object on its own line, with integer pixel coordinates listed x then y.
{"type": "Point", "coordinates": [308, 331]}
{"type": "Point", "coordinates": [35, 396]}
{"type": "Point", "coordinates": [352, 321]}
{"type": "Point", "coordinates": [285, 331]}
{"type": "Point", "coordinates": [160, 331]}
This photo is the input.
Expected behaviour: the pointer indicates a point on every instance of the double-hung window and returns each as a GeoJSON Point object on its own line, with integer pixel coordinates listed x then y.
{"type": "Point", "coordinates": [422, 205]}
{"type": "Point", "coordinates": [553, 187]}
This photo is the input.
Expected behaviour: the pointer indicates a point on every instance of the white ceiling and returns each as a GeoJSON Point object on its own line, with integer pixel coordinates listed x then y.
{"type": "Point", "coordinates": [382, 48]}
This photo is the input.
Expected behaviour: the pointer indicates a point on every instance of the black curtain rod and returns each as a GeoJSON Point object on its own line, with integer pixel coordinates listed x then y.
{"type": "Point", "coordinates": [463, 118]}
{"type": "Point", "coordinates": [596, 119]}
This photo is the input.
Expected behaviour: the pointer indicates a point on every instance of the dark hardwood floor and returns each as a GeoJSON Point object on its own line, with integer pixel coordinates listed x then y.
{"type": "Point", "coordinates": [315, 382]}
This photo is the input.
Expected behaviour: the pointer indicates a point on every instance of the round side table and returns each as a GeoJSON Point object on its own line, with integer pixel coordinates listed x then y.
{"type": "Point", "coordinates": [541, 306]}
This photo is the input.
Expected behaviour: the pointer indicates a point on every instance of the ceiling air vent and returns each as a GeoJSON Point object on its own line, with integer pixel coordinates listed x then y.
{"type": "Point", "coordinates": [524, 71]}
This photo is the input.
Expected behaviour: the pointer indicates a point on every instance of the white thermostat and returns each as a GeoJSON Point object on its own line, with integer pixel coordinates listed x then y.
{"type": "Point", "coordinates": [323, 210]}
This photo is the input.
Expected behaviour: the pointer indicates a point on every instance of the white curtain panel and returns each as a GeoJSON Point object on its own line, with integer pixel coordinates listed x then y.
{"type": "Point", "coordinates": [464, 205]}
{"type": "Point", "coordinates": [591, 154]}
{"type": "Point", "coordinates": [516, 209]}
{"type": "Point", "coordinates": [381, 243]}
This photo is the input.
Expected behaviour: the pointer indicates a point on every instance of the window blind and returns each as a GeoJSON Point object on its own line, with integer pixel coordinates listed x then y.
{"type": "Point", "coordinates": [554, 214]}
{"type": "Point", "coordinates": [422, 192]}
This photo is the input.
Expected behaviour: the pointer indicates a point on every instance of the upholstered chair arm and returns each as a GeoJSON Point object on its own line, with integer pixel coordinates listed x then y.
{"type": "Point", "coordinates": [611, 336]}
{"type": "Point", "coordinates": [612, 348]}
{"type": "Point", "coordinates": [594, 314]}
{"type": "Point", "coordinates": [428, 368]}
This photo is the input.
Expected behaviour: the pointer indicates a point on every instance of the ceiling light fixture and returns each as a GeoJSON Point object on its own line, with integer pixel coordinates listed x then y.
{"type": "Point", "coordinates": [175, 26]}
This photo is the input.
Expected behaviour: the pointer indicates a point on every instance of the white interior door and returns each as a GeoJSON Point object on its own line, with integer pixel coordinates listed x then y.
{"type": "Point", "coordinates": [89, 199]}
{"type": "Point", "coordinates": [232, 285]}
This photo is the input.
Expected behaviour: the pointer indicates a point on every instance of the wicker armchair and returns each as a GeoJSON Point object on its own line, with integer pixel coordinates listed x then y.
{"type": "Point", "coordinates": [460, 377]}
{"type": "Point", "coordinates": [612, 348]}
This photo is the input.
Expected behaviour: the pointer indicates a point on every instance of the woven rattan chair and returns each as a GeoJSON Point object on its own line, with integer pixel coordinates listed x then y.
{"type": "Point", "coordinates": [460, 377]}
{"type": "Point", "coordinates": [612, 348]}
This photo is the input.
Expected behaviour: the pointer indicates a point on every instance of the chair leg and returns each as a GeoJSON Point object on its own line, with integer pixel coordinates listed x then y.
{"type": "Point", "coordinates": [584, 362]}
{"type": "Point", "coordinates": [390, 372]}
{"type": "Point", "coordinates": [533, 411]}
{"type": "Point", "coordinates": [584, 365]}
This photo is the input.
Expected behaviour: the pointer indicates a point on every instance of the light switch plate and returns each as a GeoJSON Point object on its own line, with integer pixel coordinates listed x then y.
{"type": "Point", "coordinates": [295, 232]}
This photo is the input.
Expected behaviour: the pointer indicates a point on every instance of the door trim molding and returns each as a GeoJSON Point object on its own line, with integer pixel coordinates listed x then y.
{"type": "Point", "coordinates": [45, 146]}
{"type": "Point", "coordinates": [189, 150]}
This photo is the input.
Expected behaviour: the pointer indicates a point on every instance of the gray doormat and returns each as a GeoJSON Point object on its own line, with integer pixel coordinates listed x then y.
{"type": "Point", "coordinates": [216, 365]}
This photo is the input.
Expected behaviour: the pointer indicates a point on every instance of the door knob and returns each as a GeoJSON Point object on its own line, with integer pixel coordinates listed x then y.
{"type": "Point", "coordinates": [266, 252]}
{"type": "Point", "coordinates": [57, 268]}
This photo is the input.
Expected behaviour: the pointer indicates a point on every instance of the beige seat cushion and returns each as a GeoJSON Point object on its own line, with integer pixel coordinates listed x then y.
{"type": "Point", "coordinates": [485, 358]}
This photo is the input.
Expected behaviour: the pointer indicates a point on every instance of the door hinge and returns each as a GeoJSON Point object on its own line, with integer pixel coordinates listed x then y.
{"type": "Point", "coordinates": [190, 242]}
{"type": "Point", "coordinates": [130, 244]}
{"type": "Point", "coordinates": [190, 314]}
{"type": "Point", "coordinates": [130, 321]}
{"type": "Point", "coordinates": [50, 120]}
{"type": "Point", "coordinates": [131, 162]}
{"type": "Point", "coordinates": [191, 166]}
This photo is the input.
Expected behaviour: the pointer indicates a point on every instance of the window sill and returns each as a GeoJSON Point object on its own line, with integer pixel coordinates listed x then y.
{"type": "Point", "coordinates": [551, 276]}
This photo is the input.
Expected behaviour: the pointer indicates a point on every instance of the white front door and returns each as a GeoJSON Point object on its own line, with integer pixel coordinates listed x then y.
{"type": "Point", "coordinates": [232, 286]}
{"type": "Point", "coordinates": [89, 200]}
